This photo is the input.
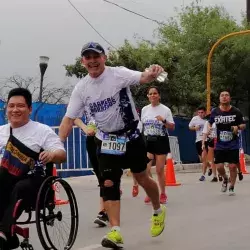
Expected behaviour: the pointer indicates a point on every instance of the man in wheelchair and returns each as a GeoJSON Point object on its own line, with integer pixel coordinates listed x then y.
{"type": "Point", "coordinates": [23, 145]}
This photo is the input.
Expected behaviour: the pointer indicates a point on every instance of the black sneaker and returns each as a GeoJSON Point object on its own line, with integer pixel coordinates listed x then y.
{"type": "Point", "coordinates": [209, 171]}
{"type": "Point", "coordinates": [240, 175]}
{"type": "Point", "coordinates": [102, 219]}
{"type": "Point", "coordinates": [215, 179]}
{"type": "Point", "coordinates": [220, 178]}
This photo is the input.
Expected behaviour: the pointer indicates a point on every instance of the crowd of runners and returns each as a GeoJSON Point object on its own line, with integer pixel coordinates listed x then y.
{"type": "Point", "coordinates": [120, 137]}
{"type": "Point", "coordinates": [117, 137]}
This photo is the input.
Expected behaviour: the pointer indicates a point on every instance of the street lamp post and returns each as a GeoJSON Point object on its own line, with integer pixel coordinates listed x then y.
{"type": "Point", "coordinates": [209, 62]}
{"type": "Point", "coordinates": [43, 66]}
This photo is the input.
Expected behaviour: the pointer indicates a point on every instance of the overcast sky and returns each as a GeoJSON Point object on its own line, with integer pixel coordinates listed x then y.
{"type": "Point", "coordinates": [31, 28]}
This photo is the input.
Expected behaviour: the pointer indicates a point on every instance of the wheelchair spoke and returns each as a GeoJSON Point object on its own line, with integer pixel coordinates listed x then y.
{"type": "Point", "coordinates": [66, 224]}
{"type": "Point", "coordinates": [58, 223]}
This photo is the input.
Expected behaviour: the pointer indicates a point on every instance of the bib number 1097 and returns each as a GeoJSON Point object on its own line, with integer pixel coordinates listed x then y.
{"type": "Point", "coordinates": [115, 145]}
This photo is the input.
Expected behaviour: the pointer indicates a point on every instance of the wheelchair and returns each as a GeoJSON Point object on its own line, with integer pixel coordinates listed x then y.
{"type": "Point", "coordinates": [48, 215]}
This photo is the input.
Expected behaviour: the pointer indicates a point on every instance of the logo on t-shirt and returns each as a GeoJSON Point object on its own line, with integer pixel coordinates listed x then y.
{"type": "Point", "coordinates": [101, 106]}
{"type": "Point", "coordinates": [224, 119]}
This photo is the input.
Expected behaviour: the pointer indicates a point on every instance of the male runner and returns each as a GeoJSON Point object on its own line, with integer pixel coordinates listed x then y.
{"type": "Point", "coordinates": [228, 120]}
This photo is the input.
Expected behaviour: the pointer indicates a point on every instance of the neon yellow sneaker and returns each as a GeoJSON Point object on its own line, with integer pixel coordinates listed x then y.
{"type": "Point", "coordinates": [158, 222]}
{"type": "Point", "coordinates": [113, 240]}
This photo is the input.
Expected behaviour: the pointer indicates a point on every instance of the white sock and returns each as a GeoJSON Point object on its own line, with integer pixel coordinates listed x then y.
{"type": "Point", "coordinates": [3, 236]}
{"type": "Point", "coordinates": [116, 228]}
{"type": "Point", "coordinates": [158, 211]}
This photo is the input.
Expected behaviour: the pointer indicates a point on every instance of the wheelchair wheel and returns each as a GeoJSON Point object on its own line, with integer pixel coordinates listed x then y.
{"type": "Point", "coordinates": [57, 229]}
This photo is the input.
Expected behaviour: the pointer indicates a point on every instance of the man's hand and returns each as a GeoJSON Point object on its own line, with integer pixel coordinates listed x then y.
{"type": "Point", "coordinates": [90, 131]}
{"type": "Point", "coordinates": [151, 73]}
{"type": "Point", "coordinates": [235, 129]}
{"type": "Point", "coordinates": [155, 70]}
{"type": "Point", "coordinates": [159, 118]}
{"type": "Point", "coordinates": [196, 128]}
{"type": "Point", "coordinates": [46, 157]}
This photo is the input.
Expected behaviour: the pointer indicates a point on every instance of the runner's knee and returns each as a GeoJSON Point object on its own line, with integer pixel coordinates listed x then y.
{"type": "Point", "coordinates": [111, 190]}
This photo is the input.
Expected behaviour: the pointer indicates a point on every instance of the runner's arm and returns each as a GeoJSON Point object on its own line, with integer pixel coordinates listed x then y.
{"type": "Point", "coordinates": [242, 126]}
{"type": "Point", "coordinates": [79, 123]}
{"type": "Point", "coordinates": [65, 128]}
{"type": "Point", "coordinates": [169, 120]}
{"type": "Point", "coordinates": [240, 121]}
{"type": "Point", "coordinates": [151, 74]}
{"type": "Point", "coordinates": [191, 125]}
{"type": "Point", "coordinates": [74, 110]}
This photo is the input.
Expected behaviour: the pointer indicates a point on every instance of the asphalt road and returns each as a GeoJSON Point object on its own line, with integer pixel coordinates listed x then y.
{"type": "Point", "coordinates": [200, 217]}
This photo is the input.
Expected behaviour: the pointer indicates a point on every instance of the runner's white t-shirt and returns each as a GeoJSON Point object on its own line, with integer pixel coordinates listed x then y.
{"type": "Point", "coordinates": [107, 98]}
{"type": "Point", "coordinates": [197, 121]}
{"type": "Point", "coordinates": [34, 135]}
{"type": "Point", "coordinates": [151, 126]}
{"type": "Point", "coordinates": [213, 130]}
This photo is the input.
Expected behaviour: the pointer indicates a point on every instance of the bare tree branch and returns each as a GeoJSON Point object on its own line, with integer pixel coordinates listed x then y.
{"type": "Point", "coordinates": [52, 95]}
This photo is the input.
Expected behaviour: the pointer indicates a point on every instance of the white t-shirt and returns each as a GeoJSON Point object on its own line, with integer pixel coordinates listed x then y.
{"type": "Point", "coordinates": [106, 98]}
{"type": "Point", "coordinates": [151, 126]}
{"type": "Point", "coordinates": [213, 130]}
{"type": "Point", "coordinates": [197, 121]}
{"type": "Point", "coordinates": [34, 135]}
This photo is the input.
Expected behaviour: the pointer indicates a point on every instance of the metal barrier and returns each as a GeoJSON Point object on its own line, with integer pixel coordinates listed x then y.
{"type": "Point", "coordinates": [77, 157]}
{"type": "Point", "coordinates": [175, 150]}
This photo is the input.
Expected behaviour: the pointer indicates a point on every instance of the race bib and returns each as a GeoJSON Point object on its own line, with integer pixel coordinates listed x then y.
{"type": "Point", "coordinates": [226, 136]}
{"type": "Point", "coordinates": [113, 144]}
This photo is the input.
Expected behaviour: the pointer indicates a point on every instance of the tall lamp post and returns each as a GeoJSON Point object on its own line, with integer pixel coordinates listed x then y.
{"type": "Point", "coordinates": [43, 66]}
{"type": "Point", "coordinates": [209, 62]}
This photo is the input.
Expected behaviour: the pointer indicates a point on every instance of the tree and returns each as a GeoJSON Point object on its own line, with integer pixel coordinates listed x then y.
{"type": "Point", "coordinates": [52, 95]}
{"type": "Point", "coordinates": [191, 36]}
{"type": "Point", "coordinates": [182, 49]}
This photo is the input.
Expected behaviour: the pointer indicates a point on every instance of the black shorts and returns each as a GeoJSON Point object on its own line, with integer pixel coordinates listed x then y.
{"type": "Point", "coordinates": [210, 143]}
{"type": "Point", "coordinates": [135, 158]}
{"type": "Point", "coordinates": [157, 145]}
{"type": "Point", "coordinates": [198, 145]}
{"type": "Point", "coordinates": [229, 156]}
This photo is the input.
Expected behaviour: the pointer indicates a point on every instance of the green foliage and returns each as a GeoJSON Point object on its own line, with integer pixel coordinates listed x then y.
{"type": "Point", "coordinates": [76, 69]}
{"type": "Point", "coordinates": [182, 49]}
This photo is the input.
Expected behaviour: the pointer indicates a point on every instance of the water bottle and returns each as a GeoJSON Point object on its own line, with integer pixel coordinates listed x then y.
{"type": "Point", "coordinates": [92, 125]}
{"type": "Point", "coordinates": [162, 77]}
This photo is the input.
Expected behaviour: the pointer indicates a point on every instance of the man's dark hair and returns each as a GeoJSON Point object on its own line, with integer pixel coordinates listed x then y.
{"type": "Point", "coordinates": [201, 108]}
{"type": "Point", "coordinates": [225, 90]}
{"type": "Point", "coordinates": [21, 92]}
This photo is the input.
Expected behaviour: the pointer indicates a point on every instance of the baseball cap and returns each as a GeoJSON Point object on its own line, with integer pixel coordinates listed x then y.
{"type": "Point", "coordinates": [92, 46]}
